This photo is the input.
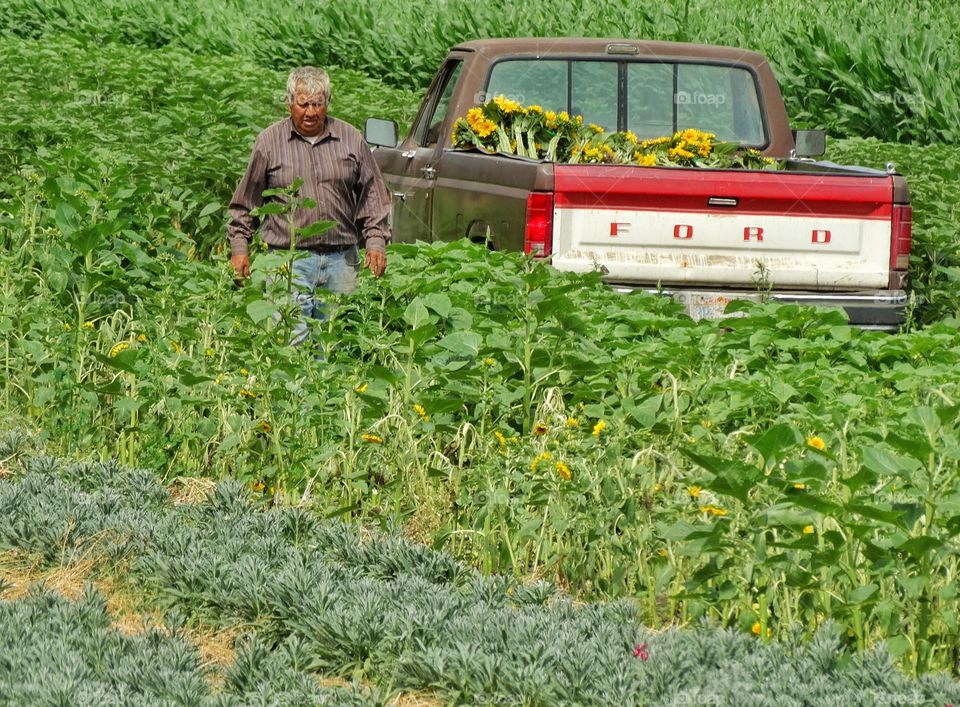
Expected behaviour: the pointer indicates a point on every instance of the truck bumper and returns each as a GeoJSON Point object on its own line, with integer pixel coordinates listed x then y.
{"type": "Point", "coordinates": [880, 310]}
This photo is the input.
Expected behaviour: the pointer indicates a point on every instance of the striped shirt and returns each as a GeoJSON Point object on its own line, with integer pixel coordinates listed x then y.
{"type": "Point", "coordinates": [339, 174]}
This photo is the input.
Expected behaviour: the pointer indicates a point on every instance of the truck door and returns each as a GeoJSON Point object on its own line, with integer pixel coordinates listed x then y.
{"type": "Point", "coordinates": [416, 173]}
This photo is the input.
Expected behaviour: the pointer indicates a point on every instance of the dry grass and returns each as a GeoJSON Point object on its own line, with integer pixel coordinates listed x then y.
{"type": "Point", "coordinates": [187, 489]}
{"type": "Point", "coordinates": [20, 571]}
{"type": "Point", "coordinates": [415, 699]}
{"type": "Point", "coordinates": [404, 699]}
{"type": "Point", "coordinates": [217, 646]}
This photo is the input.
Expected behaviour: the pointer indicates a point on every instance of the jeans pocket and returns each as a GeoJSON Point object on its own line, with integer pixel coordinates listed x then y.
{"type": "Point", "coordinates": [351, 257]}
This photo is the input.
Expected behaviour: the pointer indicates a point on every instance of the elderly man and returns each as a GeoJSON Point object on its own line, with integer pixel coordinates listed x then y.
{"type": "Point", "coordinates": [339, 175]}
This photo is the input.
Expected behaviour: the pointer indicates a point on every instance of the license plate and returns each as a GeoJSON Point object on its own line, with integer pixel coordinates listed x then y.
{"type": "Point", "coordinates": [708, 305]}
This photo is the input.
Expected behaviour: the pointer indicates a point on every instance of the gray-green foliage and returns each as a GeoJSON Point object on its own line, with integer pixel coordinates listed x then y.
{"type": "Point", "coordinates": [886, 68]}
{"type": "Point", "coordinates": [53, 651]}
{"type": "Point", "coordinates": [57, 652]}
{"type": "Point", "coordinates": [323, 596]}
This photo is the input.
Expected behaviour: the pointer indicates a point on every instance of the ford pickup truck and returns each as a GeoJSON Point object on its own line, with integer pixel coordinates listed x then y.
{"type": "Point", "coordinates": [812, 232]}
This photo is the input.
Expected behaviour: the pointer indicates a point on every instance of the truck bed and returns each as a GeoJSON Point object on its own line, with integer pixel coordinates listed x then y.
{"type": "Point", "coordinates": [679, 226]}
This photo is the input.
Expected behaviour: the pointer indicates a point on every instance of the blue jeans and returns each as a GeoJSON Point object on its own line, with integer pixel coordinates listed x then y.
{"type": "Point", "coordinates": [334, 272]}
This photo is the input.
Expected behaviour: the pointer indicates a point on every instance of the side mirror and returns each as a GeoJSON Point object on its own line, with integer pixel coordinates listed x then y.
{"type": "Point", "coordinates": [380, 132]}
{"type": "Point", "coordinates": [810, 143]}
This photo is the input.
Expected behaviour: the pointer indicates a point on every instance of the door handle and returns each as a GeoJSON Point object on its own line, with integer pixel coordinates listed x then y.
{"type": "Point", "coordinates": [399, 196]}
{"type": "Point", "coordinates": [722, 201]}
{"type": "Point", "coordinates": [428, 172]}
{"type": "Point", "coordinates": [408, 154]}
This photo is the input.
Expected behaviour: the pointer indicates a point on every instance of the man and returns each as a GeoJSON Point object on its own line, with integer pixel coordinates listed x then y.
{"type": "Point", "coordinates": [339, 175]}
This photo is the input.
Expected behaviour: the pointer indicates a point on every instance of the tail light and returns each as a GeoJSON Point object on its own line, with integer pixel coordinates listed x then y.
{"type": "Point", "coordinates": [900, 237]}
{"type": "Point", "coordinates": [538, 236]}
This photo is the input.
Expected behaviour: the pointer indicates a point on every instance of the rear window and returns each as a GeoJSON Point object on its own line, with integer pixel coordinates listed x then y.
{"type": "Point", "coordinates": [650, 98]}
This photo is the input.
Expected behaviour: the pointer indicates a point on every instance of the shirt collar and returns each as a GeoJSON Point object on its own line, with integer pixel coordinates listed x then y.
{"type": "Point", "coordinates": [331, 130]}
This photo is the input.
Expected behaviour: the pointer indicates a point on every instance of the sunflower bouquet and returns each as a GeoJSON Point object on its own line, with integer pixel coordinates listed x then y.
{"type": "Point", "coordinates": [505, 126]}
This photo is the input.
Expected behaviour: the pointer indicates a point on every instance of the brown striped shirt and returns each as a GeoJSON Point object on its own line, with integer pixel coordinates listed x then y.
{"type": "Point", "coordinates": [338, 173]}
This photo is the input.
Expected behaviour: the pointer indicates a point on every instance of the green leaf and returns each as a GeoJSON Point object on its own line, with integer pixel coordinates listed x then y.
{"type": "Point", "coordinates": [927, 419]}
{"type": "Point", "coordinates": [210, 208]}
{"type": "Point", "coordinates": [884, 463]}
{"type": "Point", "coordinates": [85, 241]}
{"type": "Point", "coordinates": [189, 378]}
{"type": "Point", "coordinates": [315, 229]}
{"type": "Point", "coordinates": [343, 510]}
{"type": "Point", "coordinates": [774, 441]}
{"type": "Point", "coordinates": [274, 208]}
{"type": "Point", "coordinates": [438, 302]}
{"type": "Point", "coordinates": [876, 512]}
{"type": "Point", "coordinates": [66, 218]}
{"type": "Point", "coordinates": [899, 646]}
{"type": "Point", "coordinates": [731, 477]}
{"type": "Point", "coordinates": [680, 530]}
{"type": "Point", "coordinates": [416, 314]}
{"type": "Point", "coordinates": [913, 586]}
{"type": "Point", "coordinates": [917, 447]}
{"type": "Point", "coordinates": [420, 335]}
{"type": "Point", "coordinates": [920, 547]}
{"type": "Point", "coordinates": [814, 503]}
{"type": "Point", "coordinates": [258, 310]}
{"type": "Point", "coordinates": [783, 514]}
{"type": "Point", "coordinates": [114, 387]}
{"type": "Point", "coordinates": [464, 343]}
{"type": "Point", "coordinates": [127, 405]}
{"type": "Point", "coordinates": [862, 594]}
{"type": "Point", "coordinates": [123, 361]}
{"type": "Point", "coordinates": [862, 478]}
{"type": "Point", "coordinates": [645, 412]}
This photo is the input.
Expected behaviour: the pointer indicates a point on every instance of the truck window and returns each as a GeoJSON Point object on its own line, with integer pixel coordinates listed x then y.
{"type": "Point", "coordinates": [587, 88]}
{"type": "Point", "coordinates": [531, 82]}
{"type": "Point", "coordinates": [427, 131]}
{"type": "Point", "coordinates": [721, 100]}
{"type": "Point", "coordinates": [650, 98]}
{"type": "Point", "coordinates": [593, 92]}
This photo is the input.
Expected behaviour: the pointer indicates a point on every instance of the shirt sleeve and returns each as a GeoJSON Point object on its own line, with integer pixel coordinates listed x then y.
{"type": "Point", "coordinates": [373, 203]}
{"type": "Point", "coordinates": [248, 196]}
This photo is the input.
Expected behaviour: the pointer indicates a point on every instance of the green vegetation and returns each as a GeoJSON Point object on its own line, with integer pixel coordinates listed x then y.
{"type": "Point", "coordinates": [884, 69]}
{"type": "Point", "coordinates": [323, 598]}
{"type": "Point", "coordinates": [776, 473]}
{"type": "Point", "coordinates": [931, 173]}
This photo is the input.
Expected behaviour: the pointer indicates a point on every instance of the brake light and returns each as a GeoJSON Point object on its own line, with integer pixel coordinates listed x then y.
{"type": "Point", "coordinates": [901, 235]}
{"type": "Point", "coordinates": [538, 235]}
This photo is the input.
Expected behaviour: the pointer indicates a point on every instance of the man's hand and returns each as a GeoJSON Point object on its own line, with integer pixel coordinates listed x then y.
{"type": "Point", "coordinates": [376, 261]}
{"type": "Point", "coordinates": [241, 266]}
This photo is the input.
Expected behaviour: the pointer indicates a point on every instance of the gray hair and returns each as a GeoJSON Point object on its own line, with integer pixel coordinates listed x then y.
{"type": "Point", "coordinates": [310, 81]}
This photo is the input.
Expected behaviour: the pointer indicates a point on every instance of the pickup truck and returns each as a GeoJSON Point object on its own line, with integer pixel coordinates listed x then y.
{"type": "Point", "coordinates": [812, 232]}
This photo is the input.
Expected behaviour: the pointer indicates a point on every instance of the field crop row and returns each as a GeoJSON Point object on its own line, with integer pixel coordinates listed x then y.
{"type": "Point", "coordinates": [322, 599]}
{"type": "Point", "coordinates": [885, 69]}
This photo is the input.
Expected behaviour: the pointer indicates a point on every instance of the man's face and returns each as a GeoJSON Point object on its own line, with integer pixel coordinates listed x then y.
{"type": "Point", "coordinates": [309, 114]}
